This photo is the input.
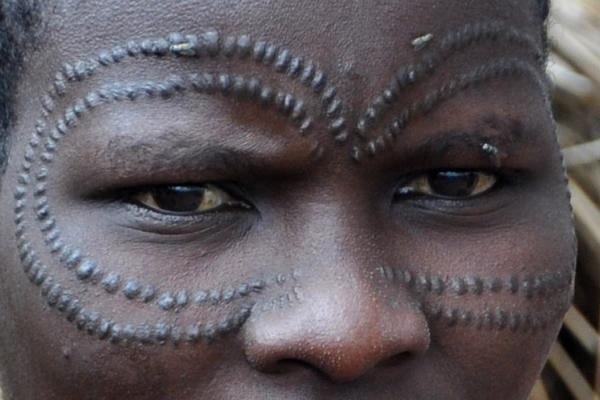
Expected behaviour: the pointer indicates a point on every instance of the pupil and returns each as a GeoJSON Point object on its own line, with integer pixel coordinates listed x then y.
{"type": "Point", "coordinates": [179, 198]}
{"type": "Point", "coordinates": [453, 183]}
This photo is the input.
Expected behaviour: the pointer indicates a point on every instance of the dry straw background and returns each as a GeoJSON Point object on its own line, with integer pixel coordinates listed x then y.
{"type": "Point", "coordinates": [573, 370]}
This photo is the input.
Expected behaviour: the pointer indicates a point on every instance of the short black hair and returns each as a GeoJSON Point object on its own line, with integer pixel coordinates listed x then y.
{"type": "Point", "coordinates": [20, 24]}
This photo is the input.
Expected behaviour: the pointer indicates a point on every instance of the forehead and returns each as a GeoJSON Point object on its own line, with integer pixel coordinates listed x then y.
{"type": "Point", "coordinates": [358, 22]}
{"type": "Point", "coordinates": [359, 46]}
{"type": "Point", "coordinates": [339, 34]}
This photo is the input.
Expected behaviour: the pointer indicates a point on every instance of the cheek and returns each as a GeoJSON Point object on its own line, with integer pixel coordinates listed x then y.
{"type": "Point", "coordinates": [116, 315]}
{"type": "Point", "coordinates": [119, 311]}
{"type": "Point", "coordinates": [495, 295]}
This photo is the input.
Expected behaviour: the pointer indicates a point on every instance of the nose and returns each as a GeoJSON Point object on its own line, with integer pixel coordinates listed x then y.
{"type": "Point", "coordinates": [340, 327]}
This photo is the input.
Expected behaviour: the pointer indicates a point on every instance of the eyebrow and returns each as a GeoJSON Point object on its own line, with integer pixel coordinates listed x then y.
{"type": "Point", "coordinates": [176, 157]}
{"type": "Point", "coordinates": [491, 136]}
{"type": "Point", "coordinates": [452, 43]}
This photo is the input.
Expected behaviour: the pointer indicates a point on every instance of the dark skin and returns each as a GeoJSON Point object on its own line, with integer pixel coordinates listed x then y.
{"type": "Point", "coordinates": [296, 206]}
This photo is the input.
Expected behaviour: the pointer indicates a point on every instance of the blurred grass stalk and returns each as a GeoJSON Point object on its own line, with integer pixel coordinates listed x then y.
{"type": "Point", "coordinates": [574, 67]}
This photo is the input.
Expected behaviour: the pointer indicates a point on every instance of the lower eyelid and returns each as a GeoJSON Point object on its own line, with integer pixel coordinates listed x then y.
{"type": "Point", "coordinates": [172, 218]}
{"type": "Point", "coordinates": [213, 233]}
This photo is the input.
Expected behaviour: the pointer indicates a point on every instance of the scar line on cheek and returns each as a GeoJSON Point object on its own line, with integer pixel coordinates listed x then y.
{"type": "Point", "coordinates": [89, 271]}
{"type": "Point", "coordinates": [529, 285]}
{"type": "Point", "coordinates": [498, 319]}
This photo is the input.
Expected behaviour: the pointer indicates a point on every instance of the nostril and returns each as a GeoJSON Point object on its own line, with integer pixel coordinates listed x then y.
{"type": "Point", "coordinates": [398, 359]}
{"type": "Point", "coordinates": [289, 365]}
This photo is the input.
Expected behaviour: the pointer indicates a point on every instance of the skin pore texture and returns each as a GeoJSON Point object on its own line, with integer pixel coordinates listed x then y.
{"type": "Point", "coordinates": [324, 265]}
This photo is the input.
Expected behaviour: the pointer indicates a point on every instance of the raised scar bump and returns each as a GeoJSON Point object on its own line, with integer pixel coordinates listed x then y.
{"type": "Point", "coordinates": [86, 269]}
{"type": "Point", "coordinates": [270, 53]}
{"type": "Point", "coordinates": [258, 51]}
{"type": "Point", "coordinates": [244, 45]}
{"type": "Point", "coordinates": [451, 43]}
{"type": "Point", "coordinates": [111, 282]}
{"type": "Point", "coordinates": [148, 294]}
{"type": "Point", "coordinates": [282, 61]}
{"type": "Point", "coordinates": [502, 67]}
{"type": "Point", "coordinates": [132, 289]}
{"type": "Point", "coordinates": [529, 285]}
{"type": "Point", "coordinates": [166, 301]}
{"type": "Point", "coordinates": [92, 322]}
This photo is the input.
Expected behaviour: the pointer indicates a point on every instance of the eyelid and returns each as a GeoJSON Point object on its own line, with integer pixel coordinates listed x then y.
{"type": "Point", "coordinates": [424, 188]}
{"type": "Point", "coordinates": [227, 219]}
{"type": "Point", "coordinates": [146, 197]}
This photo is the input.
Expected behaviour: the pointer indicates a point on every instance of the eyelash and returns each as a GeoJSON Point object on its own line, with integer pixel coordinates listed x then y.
{"type": "Point", "coordinates": [487, 202]}
{"type": "Point", "coordinates": [148, 219]}
{"type": "Point", "coordinates": [499, 176]}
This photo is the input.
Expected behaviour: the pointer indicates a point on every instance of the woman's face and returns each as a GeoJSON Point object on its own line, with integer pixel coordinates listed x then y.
{"type": "Point", "coordinates": [300, 202]}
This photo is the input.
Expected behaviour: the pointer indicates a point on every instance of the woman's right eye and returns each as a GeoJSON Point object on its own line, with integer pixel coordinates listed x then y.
{"type": "Point", "coordinates": [186, 199]}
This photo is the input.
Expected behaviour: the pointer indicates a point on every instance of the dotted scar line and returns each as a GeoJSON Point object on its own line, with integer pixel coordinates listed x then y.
{"type": "Point", "coordinates": [529, 285]}
{"type": "Point", "coordinates": [409, 75]}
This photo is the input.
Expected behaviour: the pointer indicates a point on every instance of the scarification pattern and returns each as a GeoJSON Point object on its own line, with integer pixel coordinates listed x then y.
{"type": "Point", "coordinates": [502, 68]}
{"type": "Point", "coordinates": [30, 193]}
{"type": "Point", "coordinates": [454, 42]}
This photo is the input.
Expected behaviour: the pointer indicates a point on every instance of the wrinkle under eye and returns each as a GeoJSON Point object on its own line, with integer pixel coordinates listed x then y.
{"type": "Point", "coordinates": [449, 184]}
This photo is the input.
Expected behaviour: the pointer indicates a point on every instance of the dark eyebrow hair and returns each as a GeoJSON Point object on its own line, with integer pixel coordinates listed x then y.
{"type": "Point", "coordinates": [177, 157]}
{"type": "Point", "coordinates": [487, 145]}
{"type": "Point", "coordinates": [455, 41]}
{"type": "Point", "coordinates": [492, 136]}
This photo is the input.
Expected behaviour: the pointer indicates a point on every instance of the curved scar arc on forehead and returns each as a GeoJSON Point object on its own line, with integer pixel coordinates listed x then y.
{"type": "Point", "coordinates": [453, 43]}
{"type": "Point", "coordinates": [502, 68]}
{"type": "Point", "coordinates": [211, 46]}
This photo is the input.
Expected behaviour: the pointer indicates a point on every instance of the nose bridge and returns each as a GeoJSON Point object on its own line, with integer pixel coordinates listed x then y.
{"type": "Point", "coordinates": [336, 229]}
{"type": "Point", "coordinates": [344, 317]}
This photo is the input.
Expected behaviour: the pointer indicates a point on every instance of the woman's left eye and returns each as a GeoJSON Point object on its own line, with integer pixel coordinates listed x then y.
{"type": "Point", "coordinates": [453, 185]}
{"type": "Point", "coordinates": [184, 200]}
